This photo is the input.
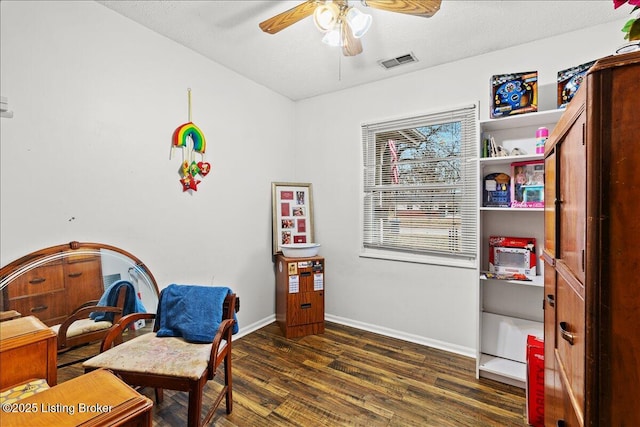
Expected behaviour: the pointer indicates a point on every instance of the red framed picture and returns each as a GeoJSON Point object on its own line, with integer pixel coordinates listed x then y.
{"type": "Point", "coordinates": [292, 214]}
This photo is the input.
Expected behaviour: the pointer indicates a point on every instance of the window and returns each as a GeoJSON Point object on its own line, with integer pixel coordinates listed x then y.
{"type": "Point", "coordinates": [420, 186]}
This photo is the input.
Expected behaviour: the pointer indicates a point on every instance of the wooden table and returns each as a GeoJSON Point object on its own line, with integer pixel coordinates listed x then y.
{"type": "Point", "coordinates": [98, 398]}
{"type": "Point", "coordinates": [28, 350]}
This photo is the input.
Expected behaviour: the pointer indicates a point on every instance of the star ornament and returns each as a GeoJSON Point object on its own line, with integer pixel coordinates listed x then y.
{"type": "Point", "coordinates": [189, 183]}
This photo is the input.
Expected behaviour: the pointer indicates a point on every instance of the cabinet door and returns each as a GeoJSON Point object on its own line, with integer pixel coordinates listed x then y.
{"type": "Point", "coordinates": [572, 198]}
{"type": "Point", "coordinates": [21, 363]}
{"type": "Point", "coordinates": [550, 195]}
{"type": "Point", "coordinates": [552, 394]}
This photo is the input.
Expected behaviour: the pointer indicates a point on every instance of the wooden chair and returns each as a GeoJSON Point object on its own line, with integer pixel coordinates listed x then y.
{"type": "Point", "coordinates": [172, 362]}
{"type": "Point", "coordinates": [79, 329]}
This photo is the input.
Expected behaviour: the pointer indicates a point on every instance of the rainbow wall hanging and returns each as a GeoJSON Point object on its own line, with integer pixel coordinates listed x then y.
{"type": "Point", "coordinates": [191, 140]}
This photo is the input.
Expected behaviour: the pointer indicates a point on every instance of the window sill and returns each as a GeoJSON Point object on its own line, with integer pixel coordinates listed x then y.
{"type": "Point", "coordinates": [417, 258]}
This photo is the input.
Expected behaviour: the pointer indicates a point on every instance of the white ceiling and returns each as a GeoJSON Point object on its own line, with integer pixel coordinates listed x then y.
{"type": "Point", "coordinates": [296, 64]}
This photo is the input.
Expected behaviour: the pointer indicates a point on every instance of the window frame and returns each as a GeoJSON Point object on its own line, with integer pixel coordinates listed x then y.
{"type": "Point", "coordinates": [470, 135]}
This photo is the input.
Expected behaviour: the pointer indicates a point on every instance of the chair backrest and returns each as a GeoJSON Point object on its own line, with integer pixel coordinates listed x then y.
{"type": "Point", "coordinates": [122, 295]}
{"type": "Point", "coordinates": [120, 300]}
{"type": "Point", "coordinates": [230, 305]}
{"type": "Point", "coordinates": [193, 312]}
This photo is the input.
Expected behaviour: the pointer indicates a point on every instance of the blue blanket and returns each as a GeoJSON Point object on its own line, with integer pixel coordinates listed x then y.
{"type": "Point", "coordinates": [191, 312]}
{"type": "Point", "coordinates": [110, 298]}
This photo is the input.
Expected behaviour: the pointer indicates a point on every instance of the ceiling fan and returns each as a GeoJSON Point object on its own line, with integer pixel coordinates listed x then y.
{"type": "Point", "coordinates": [343, 24]}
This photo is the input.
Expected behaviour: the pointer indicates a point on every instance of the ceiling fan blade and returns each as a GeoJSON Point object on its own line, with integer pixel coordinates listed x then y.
{"type": "Point", "coordinates": [351, 46]}
{"type": "Point", "coordinates": [424, 8]}
{"type": "Point", "coordinates": [290, 17]}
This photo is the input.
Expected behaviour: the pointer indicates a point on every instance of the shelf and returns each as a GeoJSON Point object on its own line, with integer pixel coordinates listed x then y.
{"type": "Point", "coordinates": [537, 281]}
{"type": "Point", "coordinates": [490, 208]}
{"type": "Point", "coordinates": [509, 310]}
{"type": "Point", "coordinates": [503, 368]}
{"type": "Point", "coordinates": [506, 336]}
{"type": "Point", "coordinates": [509, 159]}
{"type": "Point", "coordinates": [521, 120]}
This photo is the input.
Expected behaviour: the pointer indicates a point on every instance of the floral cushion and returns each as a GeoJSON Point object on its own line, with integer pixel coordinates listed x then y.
{"type": "Point", "coordinates": [150, 354]}
{"type": "Point", "coordinates": [21, 391]}
{"type": "Point", "coordinates": [82, 326]}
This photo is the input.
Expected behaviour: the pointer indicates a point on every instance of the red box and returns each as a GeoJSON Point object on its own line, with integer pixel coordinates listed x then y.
{"type": "Point", "coordinates": [535, 381]}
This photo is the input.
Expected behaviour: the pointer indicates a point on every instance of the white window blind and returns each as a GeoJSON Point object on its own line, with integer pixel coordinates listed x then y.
{"type": "Point", "coordinates": [420, 184]}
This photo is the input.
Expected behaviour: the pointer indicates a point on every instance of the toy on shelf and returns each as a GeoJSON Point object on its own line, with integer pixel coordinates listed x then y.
{"type": "Point", "coordinates": [514, 256]}
{"type": "Point", "coordinates": [496, 191]}
{"type": "Point", "coordinates": [514, 93]}
{"type": "Point", "coordinates": [527, 190]}
{"type": "Point", "coordinates": [569, 81]}
{"type": "Point", "coordinates": [509, 276]}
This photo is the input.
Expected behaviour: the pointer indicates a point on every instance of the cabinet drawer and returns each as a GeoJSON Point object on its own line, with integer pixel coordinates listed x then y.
{"type": "Point", "coordinates": [47, 307]}
{"type": "Point", "coordinates": [570, 339]}
{"type": "Point", "coordinates": [39, 280]}
{"type": "Point", "coordinates": [305, 307]}
{"type": "Point", "coordinates": [309, 271]}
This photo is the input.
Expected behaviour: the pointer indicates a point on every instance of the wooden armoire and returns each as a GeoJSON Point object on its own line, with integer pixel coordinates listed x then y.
{"type": "Point", "coordinates": [592, 252]}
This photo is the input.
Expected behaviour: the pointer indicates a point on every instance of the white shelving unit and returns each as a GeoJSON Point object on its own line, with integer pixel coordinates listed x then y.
{"type": "Point", "coordinates": [509, 310]}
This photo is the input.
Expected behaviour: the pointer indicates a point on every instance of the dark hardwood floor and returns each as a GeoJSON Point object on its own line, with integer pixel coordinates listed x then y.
{"type": "Point", "coordinates": [348, 377]}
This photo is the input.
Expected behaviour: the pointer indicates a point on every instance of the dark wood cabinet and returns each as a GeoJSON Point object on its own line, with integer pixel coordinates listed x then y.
{"type": "Point", "coordinates": [300, 295]}
{"type": "Point", "coordinates": [592, 290]}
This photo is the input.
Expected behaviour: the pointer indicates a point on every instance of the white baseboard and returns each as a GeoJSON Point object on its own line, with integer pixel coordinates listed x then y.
{"type": "Point", "coordinates": [441, 345]}
{"type": "Point", "coordinates": [246, 330]}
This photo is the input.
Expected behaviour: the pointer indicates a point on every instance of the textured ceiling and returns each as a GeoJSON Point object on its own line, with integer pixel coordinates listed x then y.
{"type": "Point", "coordinates": [296, 64]}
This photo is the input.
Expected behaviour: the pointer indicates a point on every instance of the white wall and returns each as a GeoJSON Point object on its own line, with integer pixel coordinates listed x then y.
{"type": "Point", "coordinates": [96, 99]}
{"type": "Point", "coordinates": [425, 303]}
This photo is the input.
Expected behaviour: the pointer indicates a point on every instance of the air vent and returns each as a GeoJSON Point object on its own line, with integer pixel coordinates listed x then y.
{"type": "Point", "coordinates": [400, 60]}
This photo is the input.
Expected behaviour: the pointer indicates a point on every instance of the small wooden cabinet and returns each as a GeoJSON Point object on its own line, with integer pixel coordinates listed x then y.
{"type": "Point", "coordinates": [28, 350]}
{"type": "Point", "coordinates": [300, 295]}
{"type": "Point", "coordinates": [592, 302]}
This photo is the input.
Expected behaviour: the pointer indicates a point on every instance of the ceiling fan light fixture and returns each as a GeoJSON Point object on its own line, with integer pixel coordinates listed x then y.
{"type": "Point", "coordinates": [326, 16]}
{"type": "Point", "coordinates": [358, 21]}
{"type": "Point", "coordinates": [333, 37]}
